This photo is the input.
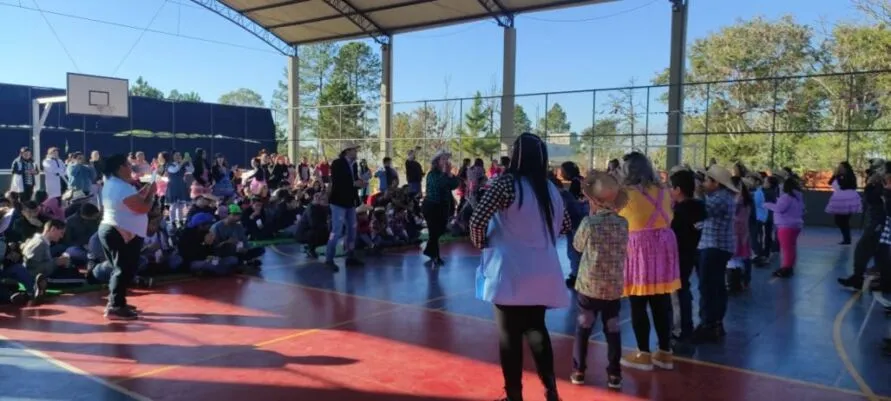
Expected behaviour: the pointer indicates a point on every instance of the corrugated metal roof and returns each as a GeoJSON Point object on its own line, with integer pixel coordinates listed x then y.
{"type": "Point", "coordinates": [307, 21]}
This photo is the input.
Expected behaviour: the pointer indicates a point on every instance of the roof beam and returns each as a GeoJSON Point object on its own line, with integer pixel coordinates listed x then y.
{"type": "Point", "coordinates": [369, 10]}
{"type": "Point", "coordinates": [248, 25]}
{"type": "Point", "coordinates": [271, 6]}
{"type": "Point", "coordinates": [360, 19]}
{"type": "Point", "coordinates": [502, 16]}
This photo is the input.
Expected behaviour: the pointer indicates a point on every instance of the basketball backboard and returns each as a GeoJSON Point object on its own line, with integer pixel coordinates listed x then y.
{"type": "Point", "coordinates": [98, 96]}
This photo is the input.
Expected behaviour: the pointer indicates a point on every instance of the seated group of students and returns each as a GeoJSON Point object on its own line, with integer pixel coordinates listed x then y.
{"type": "Point", "coordinates": [50, 243]}
{"type": "Point", "coordinates": [386, 219]}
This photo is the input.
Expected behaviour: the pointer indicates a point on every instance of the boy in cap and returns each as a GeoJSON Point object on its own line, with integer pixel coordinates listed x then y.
{"type": "Point", "coordinates": [602, 238]}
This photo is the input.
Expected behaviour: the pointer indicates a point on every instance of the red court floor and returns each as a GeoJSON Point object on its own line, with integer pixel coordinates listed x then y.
{"type": "Point", "coordinates": [301, 333]}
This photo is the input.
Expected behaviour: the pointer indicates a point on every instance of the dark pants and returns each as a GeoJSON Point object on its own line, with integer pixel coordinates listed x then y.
{"type": "Point", "coordinates": [867, 247]}
{"type": "Point", "coordinates": [843, 222]}
{"type": "Point", "coordinates": [514, 323]}
{"type": "Point", "coordinates": [437, 217]}
{"type": "Point", "coordinates": [765, 244]}
{"type": "Point", "coordinates": [609, 316]}
{"type": "Point", "coordinates": [883, 262]}
{"type": "Point", "coordinates": [712, 285]}
{"type": "Point", "coordinates": [124, 256]}
{"type": "Point", "coordinates": [685, 300]}
{"type": "Point", "coordinates": [662, 319]}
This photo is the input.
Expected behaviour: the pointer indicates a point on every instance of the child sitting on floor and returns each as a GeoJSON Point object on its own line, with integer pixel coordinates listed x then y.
{"type": "Point", "coordinates": [602, 238]}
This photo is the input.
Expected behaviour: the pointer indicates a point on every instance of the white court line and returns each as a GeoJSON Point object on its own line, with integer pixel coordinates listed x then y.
{"type": "Point", "coordinates": [75, 370]}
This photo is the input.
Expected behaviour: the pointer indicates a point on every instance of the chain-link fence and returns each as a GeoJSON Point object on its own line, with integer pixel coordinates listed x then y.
{"type": "Point", "coordinates": [808, 123]}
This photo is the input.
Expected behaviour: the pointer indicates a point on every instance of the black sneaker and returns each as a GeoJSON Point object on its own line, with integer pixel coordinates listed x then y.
{"type": "Point", "coordinates": [614, 382]}
{"type": "Point", "coordinates": [577, 378]}
{"type": "Point", "coordinates": [18, 299]}
{"type": "Point", "coordinates": [851, 283]}
{"type": "Point", "coordinates": [123, 313]}
{"type": "Point", "coordinates": [333, 266]}
{"type": "Point", "coordinates": [784, 273]}
{"type": "Point", "coordinates": [40, 284]}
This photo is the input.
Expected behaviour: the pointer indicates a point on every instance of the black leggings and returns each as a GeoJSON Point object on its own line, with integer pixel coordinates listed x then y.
{"type": "Point", "coordinates": [514, 323]}
{"type": "Point", "coordinates": [437, 217]}
{"type": "Point", "coordinates": [662, 319]}
{"type": "Point", "coordinates": [843, 222]}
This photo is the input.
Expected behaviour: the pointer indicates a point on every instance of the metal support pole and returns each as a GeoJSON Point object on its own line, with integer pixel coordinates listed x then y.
{"type": "Point", "coordinates": [508, 83]}
{"type": "Point", "coordinates": [593, 129]}
{"type": "Point", "coordinates": [708, 99]}
{"type": "Point", "coordinates": [676, 81]}
{"type": "Point", "coordinates": [386, 112]}
{"type": "Point", "coordinates": [850, 118]}
{"type": "Point", "coordinates": [294, 107]}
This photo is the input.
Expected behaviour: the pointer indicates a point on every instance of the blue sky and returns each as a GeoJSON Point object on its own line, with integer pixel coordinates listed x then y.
{"type": "Point", "coordinates": [589, 47]}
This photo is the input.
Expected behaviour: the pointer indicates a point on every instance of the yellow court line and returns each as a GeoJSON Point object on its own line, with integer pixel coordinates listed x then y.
{"type": "Point", "coordinates": [75, 370]}
{"type": "Point", "coordinates": [293, 335]}
{"type": "Point", "coordinates": [678, 358]}
{"type": "Point", "coordinates": [261, 344]}
{"type": "Point", "coordinates": [695, 361]}
{"type": "Point", "coordinates": [843, 354]}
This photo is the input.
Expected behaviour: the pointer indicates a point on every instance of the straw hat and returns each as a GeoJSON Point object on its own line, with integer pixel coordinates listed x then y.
{"type": "Point", "coordinates": [440, 154]}
{"type": "Point", "coordinates": [602, 188]}
{"type": "Point", "coordinates": [348, 145]}
{"type": "Point", "coordinates": [722, 176]}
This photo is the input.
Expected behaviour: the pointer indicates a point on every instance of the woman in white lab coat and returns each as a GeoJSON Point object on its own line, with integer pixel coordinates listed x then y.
{"type": "Point", "coordinates": [54, 171]}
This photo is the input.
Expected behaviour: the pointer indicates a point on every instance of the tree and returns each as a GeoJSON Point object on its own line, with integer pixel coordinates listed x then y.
{"type": "Point", "coordinates": [242, 97]}
{"type": "Point", "coordinates": [755, 118]}
{"type": "Point", "coordinates": [315, 65]}
{"type": "Point", "coordinates": [358, 65]}
{"type": "Point", "coordinates": [143, 89]}
{"type": "Point", "coordinates": [339, 123]}
{"type": "Point", "coordinates": [476, 137]}
{"type": "Point", "coordinates": [521, 121]}
{"type": "Point", "coordinates": [177, 96]}
{"type": "Point", "coordinates": [601, 142]}
{"type": "Point", "coordinates": [554, 121]}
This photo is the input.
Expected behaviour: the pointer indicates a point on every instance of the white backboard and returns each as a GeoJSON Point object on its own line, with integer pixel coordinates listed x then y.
{"type": "Point", "coordinates": [98, 96]}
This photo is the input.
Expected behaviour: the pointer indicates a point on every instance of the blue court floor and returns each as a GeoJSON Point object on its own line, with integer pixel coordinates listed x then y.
{"type": "Point", "coordinates": [299, 331]}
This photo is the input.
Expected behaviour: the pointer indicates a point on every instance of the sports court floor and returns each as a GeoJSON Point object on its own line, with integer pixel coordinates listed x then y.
{"type": "Point", "coordinates": [397, 330]}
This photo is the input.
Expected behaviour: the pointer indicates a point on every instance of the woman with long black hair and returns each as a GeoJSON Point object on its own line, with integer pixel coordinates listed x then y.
{"type": "Point", "coordinates": [516, 224]}
{"type": "Point", "coordinates": [845, 200]}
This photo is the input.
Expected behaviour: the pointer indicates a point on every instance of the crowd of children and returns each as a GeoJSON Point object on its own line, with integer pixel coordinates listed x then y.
{"type": "Point", "coordinates": [723, 222]}
{"type": "Point", "coordinates": [206, 215]}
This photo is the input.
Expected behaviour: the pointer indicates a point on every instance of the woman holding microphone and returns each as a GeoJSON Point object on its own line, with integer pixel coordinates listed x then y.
{"type": "Point", "coordinates": [438, 203]}
{"type": "Point", "coordinates": [122, 230]}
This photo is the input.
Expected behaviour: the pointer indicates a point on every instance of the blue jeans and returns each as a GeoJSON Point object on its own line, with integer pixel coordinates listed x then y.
{"type": "Point", "coordinates": [575, 257]}
{"type": "Point", "coordinates": [341, 217]}
{"type": "Point", "coordinates": [19, 273]}
{"type": "Point", "coordinates": [712, 270]}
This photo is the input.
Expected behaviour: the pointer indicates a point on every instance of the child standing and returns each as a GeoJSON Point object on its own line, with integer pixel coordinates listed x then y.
{"type": "Point", "coordinates": [788, 216]}
{"type": "Point", "coordinates": [739, 268]}
{"type": "Point", "coordinates": [602, 238]}
{"type": "Point", "coordinates": [689, 213]}
{"type": "Point", "coordinates": [716, 247]}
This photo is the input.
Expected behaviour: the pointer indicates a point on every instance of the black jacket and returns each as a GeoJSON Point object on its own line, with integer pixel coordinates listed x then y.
{"type": "Point", "coordinates": [343, 191]}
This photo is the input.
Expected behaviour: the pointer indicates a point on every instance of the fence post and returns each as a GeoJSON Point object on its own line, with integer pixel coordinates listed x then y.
{"type": "Point", "coordinates": [850, 117]}
{"type": "Point", "coordinates": [647, 127]}
{"type": "Point", "coordinates": [708, 107]}
{"type": "Point", "coordinates": [546, 118]}
{"type": "Point", "coordinates": [773, 129]}
{"type": "Point", "coordinates": [593, 129]}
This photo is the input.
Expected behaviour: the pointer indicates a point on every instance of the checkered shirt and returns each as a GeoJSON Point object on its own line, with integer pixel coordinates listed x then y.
{"type": "Point", "coordinates": [603, 240]}
{"type": "Point", "coordinates": [498, 197]}
{"type": "Point", "coordinates": [717, 228]}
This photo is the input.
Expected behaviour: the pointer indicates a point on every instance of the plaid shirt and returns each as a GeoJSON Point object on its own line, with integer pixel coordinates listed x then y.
{"type": "Point", "coordinates": [603, 240]}
{"type": "Point", "coordinates": [717, 228]}
{"type": "Point", "coordinates": [498, 197]}
{"type": "Point", "coordinates": [440, 186]}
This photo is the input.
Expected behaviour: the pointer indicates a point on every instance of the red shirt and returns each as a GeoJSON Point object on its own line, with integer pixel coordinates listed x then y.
{"type": "Point", "coordinates": [324, 169]}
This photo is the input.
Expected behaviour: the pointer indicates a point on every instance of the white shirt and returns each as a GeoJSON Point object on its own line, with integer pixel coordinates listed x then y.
{"type": "Point", "coordinates": [115, 213]}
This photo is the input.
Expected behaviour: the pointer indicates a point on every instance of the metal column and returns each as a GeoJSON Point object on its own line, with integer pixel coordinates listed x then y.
{"type": "Point", "coordinates": [508, 86]}
{"type": "Point", "coordinates": [293, 108]}
{"type": "Point", "coordinates": [386, 113]}
{"type": "Point", "coordinates": [676, 82]}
